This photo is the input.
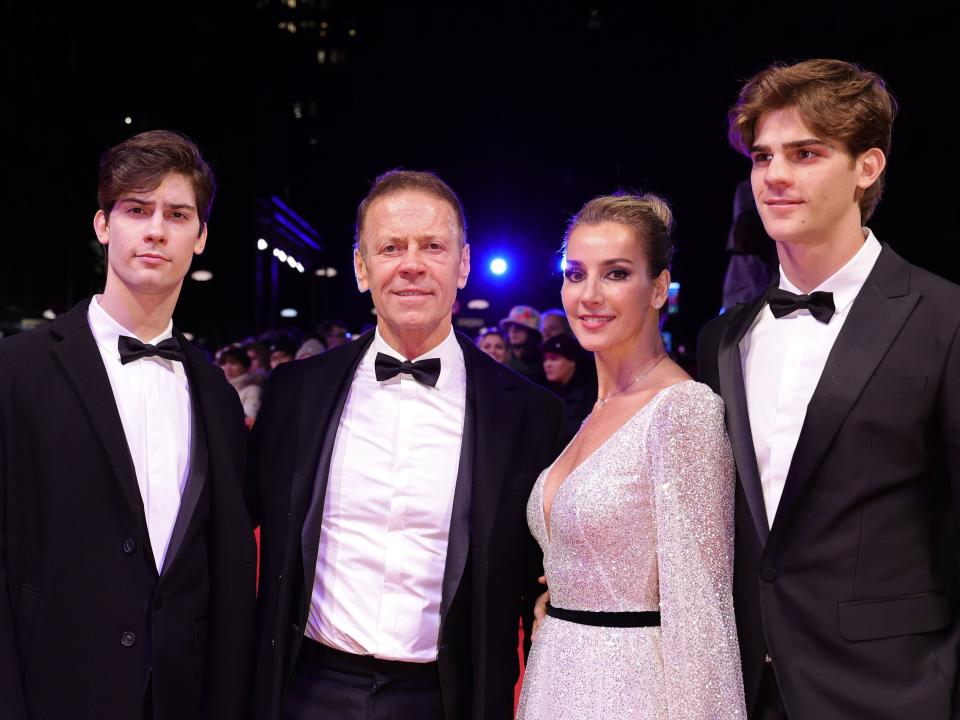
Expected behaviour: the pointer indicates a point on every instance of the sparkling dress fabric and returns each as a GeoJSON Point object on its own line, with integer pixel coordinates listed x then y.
{"type": "Point", "coordinates": [644, 523]}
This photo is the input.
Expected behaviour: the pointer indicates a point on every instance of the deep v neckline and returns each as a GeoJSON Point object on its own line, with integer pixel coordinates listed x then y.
{"type": "Point", "coordinates": [543, 487]}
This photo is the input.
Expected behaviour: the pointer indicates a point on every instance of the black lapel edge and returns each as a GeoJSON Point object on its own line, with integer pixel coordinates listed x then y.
{"type": "Point", "coordinates": [458, 544]}
{"type": "Point", "coordinates": [77, 353]}
{"type": "Point", "coordinates": [733, 391]}
{"type": "Point", "coordinates": [199, 453]}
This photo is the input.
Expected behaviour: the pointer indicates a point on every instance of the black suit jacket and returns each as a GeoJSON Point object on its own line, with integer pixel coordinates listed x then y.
{"type": "Point", "coordinates": [853, 591]}
{"type": "Point", "coordinates": [85, 618]}
{"type": "Point", "coordinates": [512, 431]}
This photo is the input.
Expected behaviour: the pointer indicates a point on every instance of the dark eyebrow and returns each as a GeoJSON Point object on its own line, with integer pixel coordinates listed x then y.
{"type": "Point", "coordinates": [171, 206]}
{"type": "Point", "coordinates": [792, 145]}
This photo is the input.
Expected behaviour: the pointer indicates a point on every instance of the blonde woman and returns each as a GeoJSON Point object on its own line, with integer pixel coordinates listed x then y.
{"type": "Point", "coordinates": [635, 518]}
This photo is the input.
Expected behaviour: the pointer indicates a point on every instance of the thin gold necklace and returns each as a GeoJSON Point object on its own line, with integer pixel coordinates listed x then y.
{"type": "Point", "coordinates": [603, 400]}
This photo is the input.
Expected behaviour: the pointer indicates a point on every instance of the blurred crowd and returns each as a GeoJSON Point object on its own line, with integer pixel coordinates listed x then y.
{"type": "Point", "coordinates": [537, 345]}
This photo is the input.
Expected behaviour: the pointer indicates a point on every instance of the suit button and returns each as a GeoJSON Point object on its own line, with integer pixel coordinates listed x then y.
{"type": "Point", "coordinates": [157, 602]}
{"type": "Point", "coordinates": [769, 574]}
{"type": "Point", "coordinates": [767, 659]}
{"type": "Point", "coordinates": [128, 639]}
{"type": "Point", "coordinates": [129, 545]}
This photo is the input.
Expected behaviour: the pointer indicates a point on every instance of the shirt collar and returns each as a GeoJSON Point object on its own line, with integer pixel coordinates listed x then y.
{"type": "Point", "coordinates": [107, 331]}
{"type": "Point", "coordinates": [449, 352]}
{"type": "Point", "coordinates": [846, 282]}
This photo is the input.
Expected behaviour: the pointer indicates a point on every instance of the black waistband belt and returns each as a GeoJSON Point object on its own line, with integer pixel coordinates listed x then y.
{"type": "Point", "coordinates": [649, 618]}
{"type": "Point", "coordinates": [352, 664]}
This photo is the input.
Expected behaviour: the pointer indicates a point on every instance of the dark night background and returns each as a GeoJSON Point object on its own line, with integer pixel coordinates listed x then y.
{"type": "Point", "coordinates": [527, 109]}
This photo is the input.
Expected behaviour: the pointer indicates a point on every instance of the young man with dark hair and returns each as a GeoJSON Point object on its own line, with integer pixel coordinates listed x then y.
{"type": "Point", "coordinates": [842, 387]}
{"type": "Point", "coordinates": [127, 560]}
{"type": "Point", "coordinates": [394, 473]}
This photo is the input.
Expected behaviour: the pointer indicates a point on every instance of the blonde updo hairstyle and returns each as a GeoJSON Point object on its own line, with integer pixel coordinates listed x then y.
{"type": "Point", "coordinates": [648, 217]}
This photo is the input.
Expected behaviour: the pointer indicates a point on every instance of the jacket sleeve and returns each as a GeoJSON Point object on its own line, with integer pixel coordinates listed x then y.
{"type": "Point", "coordinates": [12, 702]}
{"type": "Point", "coordinates": [693, 489]}
{"type": "Point", "coordinates": [708, 346]}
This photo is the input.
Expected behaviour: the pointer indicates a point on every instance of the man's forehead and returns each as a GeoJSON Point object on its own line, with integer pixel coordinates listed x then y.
{"type": "Point", "coordinates": [174, 187]}
{"type": "Point", "coordinates": [411, 206]}
{"type": "Point", "coordinates": [786, 118]}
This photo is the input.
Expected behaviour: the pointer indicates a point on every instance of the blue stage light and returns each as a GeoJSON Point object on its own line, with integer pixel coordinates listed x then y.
{"type": "Point", "coordinates": [498, 266]}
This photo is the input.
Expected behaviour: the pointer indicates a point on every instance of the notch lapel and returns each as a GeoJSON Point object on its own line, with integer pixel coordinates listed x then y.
{"type": "Point", "coordinates": [79, 356]}
{"type": "Point", "coordinates": [733, 391]}
{"type": "Point", "coordinates": [878, 313]}
{"type": "Point", "coordinates": [458, 543]}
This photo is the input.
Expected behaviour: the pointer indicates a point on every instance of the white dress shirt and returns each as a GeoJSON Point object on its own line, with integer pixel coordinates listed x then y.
{"type": "Point", "coordinates": [153, 397]}
{"type": "Point", "coordinates": [783, 359]}
{"type": "Point", "coordinates": [386, 517]}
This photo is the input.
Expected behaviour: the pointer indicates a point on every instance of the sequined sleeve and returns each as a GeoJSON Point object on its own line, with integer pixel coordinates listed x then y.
{"type": "Point", "coordinates": [693, 476]}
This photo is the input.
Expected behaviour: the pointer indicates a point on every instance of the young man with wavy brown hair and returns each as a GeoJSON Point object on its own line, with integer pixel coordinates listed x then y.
{"type": "Point", "coordinates": [127, 561]}
{"type": "Point", "coordinates": [842, 387]}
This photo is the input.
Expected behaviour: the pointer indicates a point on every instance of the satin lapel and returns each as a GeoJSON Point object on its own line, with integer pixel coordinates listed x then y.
{"type": "Point", "coordinates": [730, 366]}
{"type": "Point", "coordinates": [324, 394]}
{"type": "Point", "coordinates": [497, 416]}
{"type": "Point", "coordinates": [201, 408]}
{"type": "Point", "coordinates": [458, 543]}
{"type": "Point", "coordinates": [80, 359]}
{"type": "Point", "coordinates": [876, 317]}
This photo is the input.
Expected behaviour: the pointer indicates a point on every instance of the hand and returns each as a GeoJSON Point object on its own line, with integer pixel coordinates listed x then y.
{"type": "Point", "coordinates": [540, 608]}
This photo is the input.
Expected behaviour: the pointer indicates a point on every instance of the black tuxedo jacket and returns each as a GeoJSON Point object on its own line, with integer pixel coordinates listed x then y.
{"type": "Point", "coordinates": [512, 431]}
{"type": "Point", "coordinates": [853, 590]}
{"type": "Point", "coordinates": [86, 621]}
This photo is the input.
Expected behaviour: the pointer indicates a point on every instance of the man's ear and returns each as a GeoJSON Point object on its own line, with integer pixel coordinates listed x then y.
{"type": "Point", "coordinates": [463, 272]}
{"type": "Point", "coordinates": [870, 165]}
{"type": "Point", "coordinates": [360, 270]}
{"type": "Point", "coordinates": [201, 242]}
{"type": "Point", "coordinates": [100, 227]}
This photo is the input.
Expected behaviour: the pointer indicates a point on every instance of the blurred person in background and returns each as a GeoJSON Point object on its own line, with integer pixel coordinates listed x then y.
{"type": "Point", "coordinates": [494, 344]}
{"type": "Point", "coordinates": [553, 322]}
{"type": "Point", "coordinates": [282, 350]}
{"type": "Point", "coordinates": [522, 328]}
{"type": "Point", "coordinates": [259, 355]}
{"type": "Point", "coordinates": [570, 374]}
{"type": "Point", "coordinates": [310, 347]}
{"type": "Point", "coordinates": [237, 367]}
{"type": "Point", "coordinates": [333, 333]}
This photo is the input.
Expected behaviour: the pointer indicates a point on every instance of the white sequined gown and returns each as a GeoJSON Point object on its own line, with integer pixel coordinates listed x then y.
{"type": "Point", "coordinates": [644, 523]}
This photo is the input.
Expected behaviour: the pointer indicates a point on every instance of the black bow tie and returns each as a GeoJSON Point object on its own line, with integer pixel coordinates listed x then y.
{"type": "Point", "coordinates": [132, 349]}
{"type": "Point", "coordinates": [426, 372]}
{"type": "Point", "coordinates": [820, 304]}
